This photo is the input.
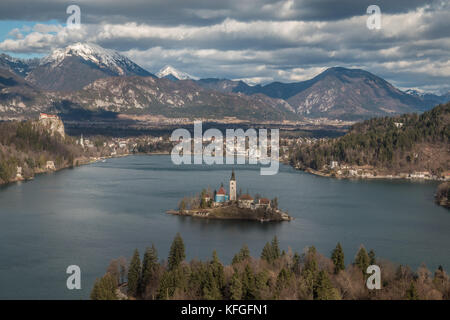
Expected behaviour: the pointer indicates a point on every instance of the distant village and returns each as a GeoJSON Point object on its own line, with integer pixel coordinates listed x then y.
{"type": "Point", "coordinates": [97, 148]}
{"type": "Point", "coordinates": [341, 170]}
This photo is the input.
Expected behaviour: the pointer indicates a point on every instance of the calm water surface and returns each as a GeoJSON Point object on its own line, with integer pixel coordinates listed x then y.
{"type": "Point", "coordinates": [92, 214]}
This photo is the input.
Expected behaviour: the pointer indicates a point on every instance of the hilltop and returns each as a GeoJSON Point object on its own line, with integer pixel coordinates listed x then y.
{"type": "Point", "coordinates": [77, 65]}
{"type": "Point", "coordinates": [31, 147]}
{"type": "Point", "coordinates": [409, 145]}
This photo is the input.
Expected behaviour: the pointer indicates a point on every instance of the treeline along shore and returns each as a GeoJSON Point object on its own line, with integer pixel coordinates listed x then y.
{"type": "Point", "coordinates": [275, 274]}
{"type": "Point", "coordinates": [410, 146]}
{"type": "Point", "coordinates": [31, 147]}
{"type": "Point", "coordinates": [407, 146]}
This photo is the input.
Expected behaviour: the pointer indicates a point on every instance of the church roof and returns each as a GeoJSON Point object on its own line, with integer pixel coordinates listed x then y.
{"type": "Point", "coordinates": [245, 197]}
{"type": "Point", "coordinates": [233, 177]}
{"type": "Point", "coordinates": [221, 191]}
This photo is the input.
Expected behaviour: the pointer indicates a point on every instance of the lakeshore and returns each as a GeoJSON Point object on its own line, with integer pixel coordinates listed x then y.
{"type": "Point", "coordinates": [233, 212]}
{"type": "Point", "coordinates": [362, 174]}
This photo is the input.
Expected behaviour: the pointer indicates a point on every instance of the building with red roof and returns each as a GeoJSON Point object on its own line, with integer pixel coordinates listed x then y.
{"type": "Point", "coordinates": [221, 195]}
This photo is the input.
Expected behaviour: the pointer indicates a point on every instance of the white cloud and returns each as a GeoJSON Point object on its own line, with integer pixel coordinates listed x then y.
{"type": "Point", "coordinates": [411, 45]}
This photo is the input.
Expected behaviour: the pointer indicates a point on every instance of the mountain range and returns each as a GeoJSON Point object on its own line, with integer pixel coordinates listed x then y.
{"type": "Point", "coordinates": [86, 76]}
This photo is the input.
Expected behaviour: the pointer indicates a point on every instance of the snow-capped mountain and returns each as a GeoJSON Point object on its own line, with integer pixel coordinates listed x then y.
{"type": "Point", "coordinates": [77, 65]}
{"type": "Point", "coordinates": [415, 92]}
{"type": "Point", "coordinates": [429, 98]}
{"type": "Point", "coordinates": [174, 74]}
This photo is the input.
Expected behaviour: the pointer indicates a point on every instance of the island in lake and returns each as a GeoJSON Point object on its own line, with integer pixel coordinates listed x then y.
{"type": "Point", "coordinates": [220, 205]}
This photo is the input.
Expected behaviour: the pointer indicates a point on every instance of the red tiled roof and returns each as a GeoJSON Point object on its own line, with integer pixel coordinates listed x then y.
{"type": "Point", "coordinates": [48, 115]}
{"type": "Point", "coordinates": [245, 197]}
{"type": "Point", "coordinates": [221, 191]}
{"type": "Point", "coordinates": [264, 201]}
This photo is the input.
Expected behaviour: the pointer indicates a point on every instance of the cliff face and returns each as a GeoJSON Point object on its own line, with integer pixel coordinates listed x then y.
{"type": "Point", "coordinates": [54, 125]}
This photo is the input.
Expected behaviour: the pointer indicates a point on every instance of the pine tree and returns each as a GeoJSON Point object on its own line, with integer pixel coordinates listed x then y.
{"type": "Point", "coordinates": [266, 253]}
{"type": "Point", "coordinates": [283, 279]}
{"type": "Point", "coordinates": [149, 264]}
{"type": "Point", "coordinates": [211, 290]}
{"type": "Point", "coordinates": [248, 284]}
{"type": "Point", "coordinates": [296, 263]}
{"type": "Point", "coordinates": [362, 260]}
{"type": "Point", "coordinates": [171, 281]}
{"type": "Point", "coordinates": [217, 271]}
{"type": "Point", "coordinates": [323, 290]}
{"type": "Point", "coordinates": [275, 248]}
{"type": "Point", "coordinates": [236, 287]}
{"type": "Point", "coordinates": [242, 255]}
{"type": "Point", "coordinates": [372, 259]}
{"type": "Point", "coordinates": [411, 293]}
{"type": "Point", "coordinates": [338, 258]}
{"type": "Point", "coordinates": [177, 254]}
{"type": "Point", "coordinates": [134, 274]}
{"type": "Point", "coordinates": [311, 261]}
{"type": "Point", "coordinates": [166, 286]}
{"type": "Point", "coordinates": [104, 288]}
{"type": "Point", "coordinates": [310, 269]}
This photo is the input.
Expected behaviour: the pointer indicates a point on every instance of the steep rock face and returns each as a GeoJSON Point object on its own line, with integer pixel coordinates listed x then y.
{"type": "Point", "coordinates": [75, 66]}
{"type": "Point", "coordinates": [52, 123]}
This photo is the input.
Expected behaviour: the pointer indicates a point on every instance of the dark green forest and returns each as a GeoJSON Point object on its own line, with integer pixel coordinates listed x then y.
{"type": "Point", "coordinates": [30, 146]}
{"type": "Point", "coordinates": [403, 143]}
{"type": "Point", "coordinates": [276, 274]}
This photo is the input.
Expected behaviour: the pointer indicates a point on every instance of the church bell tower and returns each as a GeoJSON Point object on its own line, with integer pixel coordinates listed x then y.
{"type": "Point", "coordinates": [233, 187]}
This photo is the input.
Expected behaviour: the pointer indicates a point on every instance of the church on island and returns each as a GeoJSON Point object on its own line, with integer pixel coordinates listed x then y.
{"type": "Point", "coordinates": [232, 205]}
{"type": "Point", "coordinates": [222, 196]}
{"type": "Point", "coordinates": [244, 201]}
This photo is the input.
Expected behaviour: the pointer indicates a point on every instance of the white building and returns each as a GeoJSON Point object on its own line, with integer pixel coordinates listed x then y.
{"type": "Point", "coordinates": [233, 187]}
{"type": "Point", "coordinates": [50, 165]}
{"type": "Point", "coordinates": [245, 201]}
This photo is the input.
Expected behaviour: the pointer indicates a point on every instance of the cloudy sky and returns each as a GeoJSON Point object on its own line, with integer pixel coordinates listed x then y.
{"type": "Point", "coordinates": [255, 40]}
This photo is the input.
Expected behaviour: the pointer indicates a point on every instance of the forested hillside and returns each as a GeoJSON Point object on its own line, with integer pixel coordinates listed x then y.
{"type": "Point", "coordinates": [405, 143]}
{"type": "Point", "coordinates": [29, 145]}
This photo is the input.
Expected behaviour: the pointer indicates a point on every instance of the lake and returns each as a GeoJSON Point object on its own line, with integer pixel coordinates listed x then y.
{"type": "Point", "coordinates": [91, 214]}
